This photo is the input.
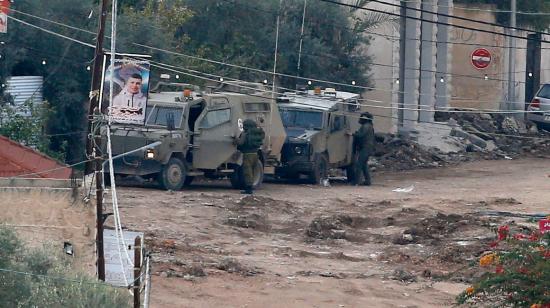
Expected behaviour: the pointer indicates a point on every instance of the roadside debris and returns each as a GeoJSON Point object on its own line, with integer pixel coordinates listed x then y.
{"type": "Point", "coordinates": [464, 137]}
{"type": "Point", "coordinates": [407, 189]}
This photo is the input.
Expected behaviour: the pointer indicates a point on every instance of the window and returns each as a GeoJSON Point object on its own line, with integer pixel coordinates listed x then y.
{"type": "Point", "coordinates": [256, 107]}
{"type": "Point", "coordinates": [215, 118]}
{"type": "Point", "coordinates": [302, 119]}
{"type": "Point", "coordinates": [544, 91]}
{"type": "Point", "coordinates": [337, 123]}
{"type": "Point", "coordinates": [159, 115]}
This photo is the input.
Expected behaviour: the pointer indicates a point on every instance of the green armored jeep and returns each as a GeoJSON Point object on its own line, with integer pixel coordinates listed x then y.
{"type": "Point", "coordinates": [319, 127]}
{"type": "Point", "coordinates": [196, 131]}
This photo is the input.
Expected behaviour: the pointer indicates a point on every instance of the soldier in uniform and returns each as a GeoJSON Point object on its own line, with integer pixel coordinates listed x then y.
{"type": "Point", "coordinates": [363, 143]}
{"type": "Point", "coordinates": [249, 142]}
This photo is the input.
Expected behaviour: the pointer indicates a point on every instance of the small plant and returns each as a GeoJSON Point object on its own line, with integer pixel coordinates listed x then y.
{"type": "Point", "coordinates": [35, 278]}
{"type": "Point", "coordinates": [518, 272]}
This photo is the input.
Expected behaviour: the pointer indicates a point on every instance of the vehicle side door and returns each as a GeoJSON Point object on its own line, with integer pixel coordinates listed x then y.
{"type": "Point", "coordinates": [338, 139]}
{"type": "Point", "coordinates": [214, 132]}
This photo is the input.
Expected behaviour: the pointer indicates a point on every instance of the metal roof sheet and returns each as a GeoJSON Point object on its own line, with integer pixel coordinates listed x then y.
{"type": "Point", "coordinates": [19, 160]}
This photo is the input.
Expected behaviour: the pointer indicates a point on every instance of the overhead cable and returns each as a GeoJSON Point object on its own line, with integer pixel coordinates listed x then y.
{"type": "Point", "coordinates": [430, 21]}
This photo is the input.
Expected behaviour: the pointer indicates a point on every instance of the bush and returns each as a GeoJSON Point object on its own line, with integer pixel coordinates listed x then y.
{"type": "Point", "coordinates": [518, 272]}
{"type": "Point", "coordinates": [35, 278]}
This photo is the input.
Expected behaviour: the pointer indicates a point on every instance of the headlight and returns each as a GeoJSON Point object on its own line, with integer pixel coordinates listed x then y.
{"type": "Point", "coordinates": [298, 150]}
{"type": "Point", "coordinates": [150, 154]}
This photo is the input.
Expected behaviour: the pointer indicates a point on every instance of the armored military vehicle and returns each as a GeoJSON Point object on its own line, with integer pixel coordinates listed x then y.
{"type": "Point", "coordinates": [197, 132]}
{"type": "Point", "coordinates": [319, 126]}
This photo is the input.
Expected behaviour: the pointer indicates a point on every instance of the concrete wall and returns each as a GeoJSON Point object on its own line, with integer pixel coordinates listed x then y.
{"type": "Point", "coordinates": [489, 94]}
{"type": "Point", "coordinates": [384, 50]}
{"type": "Point", "coordinates": [476, 92]}
{"type": "Point", "coordinates": [50, 217]}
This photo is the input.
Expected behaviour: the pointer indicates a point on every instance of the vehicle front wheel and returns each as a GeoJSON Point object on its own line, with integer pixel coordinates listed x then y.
{"type": "Point", "coordinates": [173, 174]}
{"type": "Point", "coordinates": [237, 178]}
{"type": "Point", "coordinates": [320, 169]}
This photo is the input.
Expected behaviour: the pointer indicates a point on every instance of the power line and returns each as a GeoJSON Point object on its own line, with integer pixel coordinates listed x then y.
{"type": "Point", "coordinates": [377, 34]}
{"type": "Point", "coordinates": [293, 76]}
{"type": "Point", "coordinates": [447, 127]}
{"type": "Point", "coordinates": [47, 170]}
{"type": "Point", "coordinates": [484, 10]}
{"type": "Point", "coordinates": [373, 63]}
{"type": "Point", "coordinates": [429, 21]}
{"type": "Point", "coordinates": [54, 22]}
{"type": "Point", "coordinates": [456, 17]}
{"type": "Point", "coordinates": [304, 78]}
{"type": "Point", "coordinates": [51, 32]}
{"type": "Point", "coordinates": [388, 104]}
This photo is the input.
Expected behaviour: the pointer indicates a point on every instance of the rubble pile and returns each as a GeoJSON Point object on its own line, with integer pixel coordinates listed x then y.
{"type": "Point", "coordinates": [464, 137]}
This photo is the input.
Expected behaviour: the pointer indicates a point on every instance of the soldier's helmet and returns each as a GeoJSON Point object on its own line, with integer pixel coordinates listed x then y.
{"type": "Point", "coordinates": [365, 117]}
{"type": "Point", "coordinates": [248, 124]}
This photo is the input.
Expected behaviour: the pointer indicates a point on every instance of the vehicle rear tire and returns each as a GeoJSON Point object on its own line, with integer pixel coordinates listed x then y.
{"type": "Point", "coordinates": [173, 175]}
{"type": "Point", "coordinates": [237, 178]}
{"type": "Point", "coordinates": [320, 169]}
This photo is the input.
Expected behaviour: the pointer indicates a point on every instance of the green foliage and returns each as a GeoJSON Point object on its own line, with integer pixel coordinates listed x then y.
{"type": "Point", "coordinates": [47, 288]}
{"type": "Point", "coordinates": [518, 274]}
{"type": "Point", "coordinates": [537, 22]}
{"type": "Point", "coordinates": [236, 31]}
{"type": "Point", "coordinates": [25, 124]}
{"type": "Point", "coordinates": [243, 33]}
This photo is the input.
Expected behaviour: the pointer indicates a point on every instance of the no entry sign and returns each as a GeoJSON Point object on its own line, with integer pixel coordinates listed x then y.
{"type": "Point", "coordinates": [481, 58]}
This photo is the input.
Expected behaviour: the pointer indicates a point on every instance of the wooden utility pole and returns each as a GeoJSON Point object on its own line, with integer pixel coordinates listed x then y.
{"type": "Point", "coordinates": [93, 141]}
{"type": "Point", "coordinates": [137, 272]}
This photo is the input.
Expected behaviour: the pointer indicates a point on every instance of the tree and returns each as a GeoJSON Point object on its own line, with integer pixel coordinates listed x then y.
{"type": "Point", "coordinates": [243, 33]}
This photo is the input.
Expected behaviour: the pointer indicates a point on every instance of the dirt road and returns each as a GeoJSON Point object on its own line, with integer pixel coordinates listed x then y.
{"type": "Point", "coordinates": [338, 246]}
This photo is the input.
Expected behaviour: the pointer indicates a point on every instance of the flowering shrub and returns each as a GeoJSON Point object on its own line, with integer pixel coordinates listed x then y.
{"type": "Point", "coordinates": [518, 272]}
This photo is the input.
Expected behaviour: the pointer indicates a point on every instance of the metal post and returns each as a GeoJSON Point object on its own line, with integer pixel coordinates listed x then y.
{"type": "Point", "coordinates": [96, 165]}
{"type": "Point", "coordinates": [301, 40]}
{"type": "Point", "coordinates": [401, 79]}
{"type": "Point", "coordinates": [511, 58]}
{"type": "Point", "coordinates": [137, 271]}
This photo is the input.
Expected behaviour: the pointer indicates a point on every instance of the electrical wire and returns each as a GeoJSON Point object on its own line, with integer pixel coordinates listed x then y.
{"type": "Point", "coordinates": [334, 24]}
{"type": "Point", "coordinates": [81, 281]}
{"type": "Point", "coordinates": [429, 21]}
{"type": "Point", "coordinates": [47, 170]}
{"type": "Point", "coordinates": [116, 213]}
{"type": "Point", "coordinates": [484, 10]}
{"type": "Point", "coordinates": [317, 80]}
{"type": "Point", "coordinates": [51, 32]}
{"type": "Point", "coordinates": [387, 104]}
{"type": "Point", "coordinates": [445, 125]}
{"type": "Point", "coordinates": [455, 17]}
{"type": "Point", "coordinates": [54, 22]}
{"type": "Point", "coordinates": [302, 78]}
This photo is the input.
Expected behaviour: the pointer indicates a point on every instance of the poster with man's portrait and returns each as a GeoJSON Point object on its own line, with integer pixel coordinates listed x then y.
{"type": "Point", "coordinates": [130, 90]}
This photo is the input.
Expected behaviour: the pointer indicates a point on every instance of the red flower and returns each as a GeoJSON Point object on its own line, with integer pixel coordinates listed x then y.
{"type": "Point", "coordinates": [503, 232]}
{"type": "Point", "coordinates": [535, 236]}
{"type": "Point", "coordinates": [520, 236]}
{"type": "Point", "coordinates": [493, 244]}
{"type": "Point", "coordinates": [499, 269]}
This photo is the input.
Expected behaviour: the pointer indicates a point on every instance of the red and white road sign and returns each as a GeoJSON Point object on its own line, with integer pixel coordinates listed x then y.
{"type": "Point", "coordinates": [481, 58]}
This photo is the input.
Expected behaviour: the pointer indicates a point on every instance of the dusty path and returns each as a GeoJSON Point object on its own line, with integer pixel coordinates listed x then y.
{"type": "Point", "coordinates": [338, 246]}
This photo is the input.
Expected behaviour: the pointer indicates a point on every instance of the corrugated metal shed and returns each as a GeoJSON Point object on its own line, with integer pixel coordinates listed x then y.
{"type": "Point", "coordinates": [24, 88]}
{"type": "Point", "coordinates": [17, 160]}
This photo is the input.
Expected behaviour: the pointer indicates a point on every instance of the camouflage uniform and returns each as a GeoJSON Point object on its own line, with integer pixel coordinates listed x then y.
{"type": "Point", "coordinates": [363, 141]}
{"type": "Point", "coordinates": [249, 142]}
